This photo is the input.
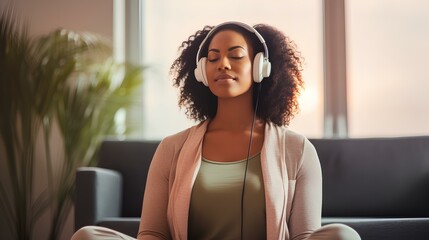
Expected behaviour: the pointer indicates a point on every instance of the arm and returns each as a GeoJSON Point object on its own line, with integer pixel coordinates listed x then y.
{"type": "Point", "coordinates": [154, 224]}
{"type": "Point", "coordinates": [307, 204]}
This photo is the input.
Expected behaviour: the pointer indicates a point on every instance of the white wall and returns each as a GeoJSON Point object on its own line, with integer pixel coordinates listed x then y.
{"type": "Point", "coordinates": [43, 17]}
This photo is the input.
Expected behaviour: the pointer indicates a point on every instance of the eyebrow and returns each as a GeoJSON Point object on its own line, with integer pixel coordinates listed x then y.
{"type": "Point", "coordinates": [229, 49]}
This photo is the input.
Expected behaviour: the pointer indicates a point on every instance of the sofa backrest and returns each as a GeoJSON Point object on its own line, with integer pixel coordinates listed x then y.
{"type": "Point", "coordinates": [132, 159]}
{"type": "Point", "coordinates": [375, 177]}
{"type": "Point", "coordinates": [361, 177]}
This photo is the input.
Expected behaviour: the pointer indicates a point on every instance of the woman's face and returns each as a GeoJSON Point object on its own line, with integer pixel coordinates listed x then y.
{"type": "Point", "coordinates": [229, 64]}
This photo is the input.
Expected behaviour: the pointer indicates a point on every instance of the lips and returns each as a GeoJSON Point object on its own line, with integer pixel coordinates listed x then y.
{"type": "Point", "coordinates": [224, 77]}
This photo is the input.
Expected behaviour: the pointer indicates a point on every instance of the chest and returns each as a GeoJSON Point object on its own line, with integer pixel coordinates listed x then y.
{"type": "Point", "coordinates": [229, 147]}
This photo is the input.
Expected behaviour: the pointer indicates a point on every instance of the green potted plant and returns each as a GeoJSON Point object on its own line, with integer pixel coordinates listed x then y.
{"type": "Point", "coordinates": [64, 81]}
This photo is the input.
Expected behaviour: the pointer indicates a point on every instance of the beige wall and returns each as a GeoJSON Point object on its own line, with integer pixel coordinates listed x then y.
{"type": "Point", "coordinates": [79, 15]}
{"type": "Point", "coordinates": [44, 16]}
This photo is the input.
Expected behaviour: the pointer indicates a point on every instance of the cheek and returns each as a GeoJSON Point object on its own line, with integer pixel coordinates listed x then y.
{"type": "Point", "coordinates": [210, 69]}
{"type": "Point", "coordinates": [246, 71]}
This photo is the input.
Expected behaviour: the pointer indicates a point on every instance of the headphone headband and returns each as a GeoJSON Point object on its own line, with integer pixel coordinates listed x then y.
{"type": "Point", "coordinates": [240, 24]}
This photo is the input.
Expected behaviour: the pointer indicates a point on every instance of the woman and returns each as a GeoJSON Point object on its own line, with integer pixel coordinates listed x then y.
{"type": "Point", "coordinates": [240, 173]}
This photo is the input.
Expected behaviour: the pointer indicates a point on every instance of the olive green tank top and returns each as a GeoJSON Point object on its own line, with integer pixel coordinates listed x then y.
{"type": "Point", "coordinates": [215, 207]}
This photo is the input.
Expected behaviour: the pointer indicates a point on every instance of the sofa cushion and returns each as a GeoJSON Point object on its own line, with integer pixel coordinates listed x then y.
{"type": "Point", "coordinates": [385, 228]}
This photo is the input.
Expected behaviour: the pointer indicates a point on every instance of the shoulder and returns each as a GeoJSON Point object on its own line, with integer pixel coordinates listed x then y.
{"type": "Point", "coordinates": [177, 140]}
{"type": "Point", "coordinates": [298, 141]}
{"type": "Point", "coordinates": [297, 149]}
{"type": "Point", "coordinates": [291, 139]}
{"type": "Point", "coordinates": [169, 148]}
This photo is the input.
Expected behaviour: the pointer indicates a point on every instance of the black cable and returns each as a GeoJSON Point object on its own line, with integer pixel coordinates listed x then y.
{"type": "Point", "coordinates": [247, 160]}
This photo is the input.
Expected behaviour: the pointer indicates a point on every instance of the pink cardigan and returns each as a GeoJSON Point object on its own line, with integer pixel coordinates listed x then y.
{"type": "Point", "coordinates": [292, 180]}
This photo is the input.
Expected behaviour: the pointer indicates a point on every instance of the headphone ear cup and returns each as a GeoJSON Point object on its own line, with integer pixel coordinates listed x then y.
{"type": "Point", "coordinates": [261, 68]}
{"type": "Point", "coordinates": [200, 71]}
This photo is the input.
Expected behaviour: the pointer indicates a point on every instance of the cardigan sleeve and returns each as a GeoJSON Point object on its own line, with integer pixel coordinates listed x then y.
{"type": "Point", "coordinates": [307, 203]}
{"type": "Point", "coordinates": [154, 223]}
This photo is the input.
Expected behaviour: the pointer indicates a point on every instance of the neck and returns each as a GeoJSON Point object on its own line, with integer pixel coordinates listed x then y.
{"type": "Point", "coordinates": [235, 114]}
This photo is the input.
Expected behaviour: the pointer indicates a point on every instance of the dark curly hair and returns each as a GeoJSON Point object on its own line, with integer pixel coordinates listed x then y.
{"type": "Point", "coordinates": [278, 100]}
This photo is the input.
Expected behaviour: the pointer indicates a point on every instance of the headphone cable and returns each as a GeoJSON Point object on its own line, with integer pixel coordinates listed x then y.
{"type": "Point", "coordinates": [247, 160]}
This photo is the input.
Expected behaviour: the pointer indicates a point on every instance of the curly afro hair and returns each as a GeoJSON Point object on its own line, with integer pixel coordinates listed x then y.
{"type": "Point", "coordinates": [278, 98]}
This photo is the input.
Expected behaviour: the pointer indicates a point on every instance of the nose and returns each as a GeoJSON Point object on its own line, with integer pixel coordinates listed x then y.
{"type": "Point", "coordinates": [224, 64]}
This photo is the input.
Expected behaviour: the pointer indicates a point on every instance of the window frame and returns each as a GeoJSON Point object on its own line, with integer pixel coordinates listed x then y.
{"type": "Point", "coordinates": [334, 61]}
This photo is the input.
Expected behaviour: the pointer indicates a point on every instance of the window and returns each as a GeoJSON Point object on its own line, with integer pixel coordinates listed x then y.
{"type": "Point", "coordinates": [388, 84]}
{"type": "Point", "coordinates": [166, 23]}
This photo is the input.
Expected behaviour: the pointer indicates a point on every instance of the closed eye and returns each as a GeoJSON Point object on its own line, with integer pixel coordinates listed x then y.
{"type": "Point", "coordinates": [213, 59]}
{"type": "Point", "coordinates": [234, 58]}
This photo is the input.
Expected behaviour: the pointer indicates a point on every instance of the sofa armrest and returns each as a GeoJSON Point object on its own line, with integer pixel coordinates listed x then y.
{"type": "Point", "coordinates": [98, 195]}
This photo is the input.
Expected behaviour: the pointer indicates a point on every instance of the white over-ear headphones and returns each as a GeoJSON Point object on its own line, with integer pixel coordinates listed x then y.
{"type": "Point", "coordinates": [261, 64]}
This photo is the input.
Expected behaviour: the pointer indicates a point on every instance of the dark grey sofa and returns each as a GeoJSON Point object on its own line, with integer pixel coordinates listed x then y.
{"type": "Point", "coordinates": [378, 186]}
